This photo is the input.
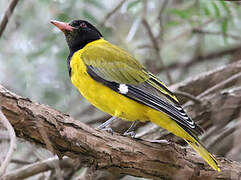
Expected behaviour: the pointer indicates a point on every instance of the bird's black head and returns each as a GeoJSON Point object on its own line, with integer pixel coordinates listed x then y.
{"type": "Point", "coordinates": [78, 33]}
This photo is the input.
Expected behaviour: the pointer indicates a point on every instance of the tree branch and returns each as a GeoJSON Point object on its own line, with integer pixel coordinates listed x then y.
{"type": "Point", "coordinates": [12, 147]}
{"type": "Point", "coordinates": [7, 15]}
{"type": "Point", "coordinates": [156, 47]}
{"type": "Point", "coordinates": [112, 12]}
{"type": "Point", "coordinates": [202, 82]}
{"type": "Point", "coordinates": [188, 96]}
{"type": "Point", "coordinates": [38, 167]}
{"type": "Point", "coordinates": [103, 151]}
{"type": "Point", "coordinates": [201, 58]}
{"type": "Point", "coordinates": [154, 41]}
{"type": "Point", "coordinates": [201, 31]}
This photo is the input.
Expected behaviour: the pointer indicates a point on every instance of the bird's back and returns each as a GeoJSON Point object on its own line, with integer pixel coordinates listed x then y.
{"type": "Point", "coordinates": [101, 96]}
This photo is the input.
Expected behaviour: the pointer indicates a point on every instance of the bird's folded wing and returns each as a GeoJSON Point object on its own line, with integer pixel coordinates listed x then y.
{"type": "Point", "coordinates": [119, 71]}
{"type": "Point", "coordinates": [113, 64]}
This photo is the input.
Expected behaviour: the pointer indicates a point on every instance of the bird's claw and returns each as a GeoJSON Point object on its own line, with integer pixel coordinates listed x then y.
{"type": "Point", "coordinates": [107, 129]}
{"type": "Point", "coordinates": [132, 134]}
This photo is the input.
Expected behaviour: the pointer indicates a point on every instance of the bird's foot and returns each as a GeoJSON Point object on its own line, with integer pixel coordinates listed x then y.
{"type": "Point", "coordinates": [105, 128]}
{"type": "Point", "coordinates": [106, 125]}
{"type": "Point", "coordinates": [131, 134]}
{"type": "Point", "coordinates": [108, 129]}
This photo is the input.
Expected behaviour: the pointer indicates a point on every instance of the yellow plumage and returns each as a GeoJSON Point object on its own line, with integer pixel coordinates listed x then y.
{"type": "Point", "coordinates": [119, 85]}
{"type": "Point", "coordinates": [116, 65]}
{"type": "Point", "coordinates": [101, 96]}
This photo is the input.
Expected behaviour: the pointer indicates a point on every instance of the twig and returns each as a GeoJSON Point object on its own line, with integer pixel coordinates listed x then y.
{"type": "Point", "coordinates": [12, 147]}
{"type": "Point", "coordinates": [201, 58]}
{"type": "Point", "coordinates": [37, 168]}
{"type": "Point", "coordinates": [200, 31]}
{"type": "Point", "coordinates": [160, 18]}
{"type": "Point", "coordinates": [154, 41]}
{"type": "Point", "coordinates": [224, 133]}
{"type": "Point", "coordinates": [113, 11]}
{"type": "Point", "coordinates": [156, 47]}
{"type": "Point", "coordinates": [7, 15]}
{"type": "Point", "coordinates": [219, 85]}
{"type": "Point", "coordinates": [151, 35]}
{"type": "Point", "coordinates": [49, 145]}
{"type": "Point", "coordinates": [105, 151]}
{"type": "Point", "coordinates": [91, 174]}
{"type": "Point", "coordinates": [173, 40]}
{"type": "Point", "coordinates": [19, 161]}
{"type": "Point", "coordinates": [188, 96]}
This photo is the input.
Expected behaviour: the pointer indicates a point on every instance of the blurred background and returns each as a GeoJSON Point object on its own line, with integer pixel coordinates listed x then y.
{"type": "Point", "coordinates": [174, 39]}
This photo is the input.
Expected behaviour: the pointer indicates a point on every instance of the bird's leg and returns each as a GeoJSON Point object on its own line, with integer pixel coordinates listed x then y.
{"type": "Point", "coordinates": [130, 132]}
{"type": "Point", "coordinates": [106, 125]}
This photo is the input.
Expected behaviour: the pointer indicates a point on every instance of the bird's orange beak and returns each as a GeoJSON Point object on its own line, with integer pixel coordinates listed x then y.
{"type": "Point", "coordinates": [62, 26]}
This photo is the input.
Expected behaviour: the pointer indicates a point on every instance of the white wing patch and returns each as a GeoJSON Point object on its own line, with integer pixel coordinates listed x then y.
{"type": "Point", "coordinates": [123, 89]}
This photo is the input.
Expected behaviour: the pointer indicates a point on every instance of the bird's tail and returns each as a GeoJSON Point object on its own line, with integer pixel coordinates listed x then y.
{"type": "Point", "coordinates": [186, 134]}
{"type": "Point", "coordinates": [208, 157]}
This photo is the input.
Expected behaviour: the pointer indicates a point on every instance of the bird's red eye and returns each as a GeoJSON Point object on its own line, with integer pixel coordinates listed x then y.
{"type": "Point", "coordinates": [83, 25]}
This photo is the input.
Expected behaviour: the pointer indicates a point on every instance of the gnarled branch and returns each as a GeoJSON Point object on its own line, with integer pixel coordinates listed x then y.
{"type": "Point", "coordinates": [104, 151]}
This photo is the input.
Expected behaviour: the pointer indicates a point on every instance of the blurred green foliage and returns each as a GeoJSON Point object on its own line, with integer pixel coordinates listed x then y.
{"type": "Point", "coordinates": [33, 52]}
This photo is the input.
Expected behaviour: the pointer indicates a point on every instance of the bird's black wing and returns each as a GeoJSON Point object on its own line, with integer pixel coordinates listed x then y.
{"type": "Point", "coordinates": [144, 93]}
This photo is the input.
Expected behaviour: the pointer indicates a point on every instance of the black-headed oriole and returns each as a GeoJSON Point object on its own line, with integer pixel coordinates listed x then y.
{"type": "Point", "coordinates": [115, 82]}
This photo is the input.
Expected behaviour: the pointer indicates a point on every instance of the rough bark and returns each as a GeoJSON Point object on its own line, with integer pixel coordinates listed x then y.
{"type": "Point", "coordinates": [215, 110]}
{"type": "Point", "coordinates": [197, 85]}
{"type": "Point", "coordinates": [102, 151]}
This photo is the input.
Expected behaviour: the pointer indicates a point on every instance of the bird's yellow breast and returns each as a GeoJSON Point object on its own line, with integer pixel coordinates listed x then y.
{"type": "Point", "coordinates": [114, 103]}
{"type": "Point", "coordinates": [103, 97]}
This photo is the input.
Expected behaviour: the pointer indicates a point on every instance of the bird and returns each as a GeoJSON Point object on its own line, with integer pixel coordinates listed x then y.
{"type": "Point", "coordinates": [115, 82]}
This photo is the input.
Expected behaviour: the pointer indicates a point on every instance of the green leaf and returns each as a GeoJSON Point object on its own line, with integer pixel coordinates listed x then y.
{"type": "Point", "coordinates": [225, 25]}
{"type": "Point", "coordinates": [217, 12]}
{"type": "Point", "coordinates": [133, 4]}
{"type": "Point", "coordinates": [225, 7]}
{"type": "Point", "coordinates": [206, 11]}
{"type": "Point", "coordinates": [184, 14]}
{"type": "Point", "coordinates": [172, 23]}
